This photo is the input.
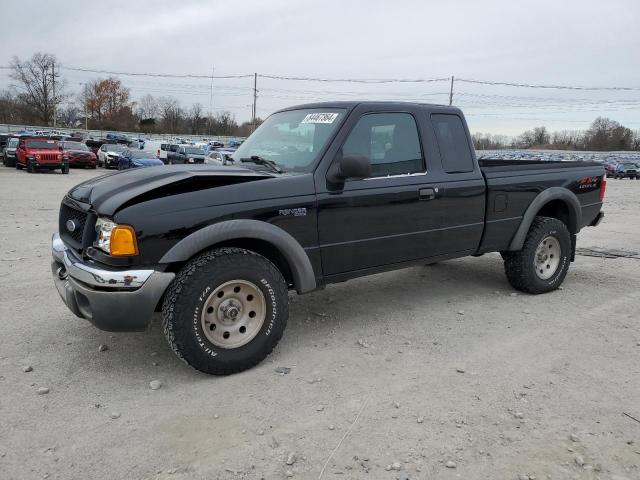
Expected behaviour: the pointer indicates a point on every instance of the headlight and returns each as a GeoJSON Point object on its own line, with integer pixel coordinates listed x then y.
{"type": "Point", "coordinates": [190, 160]}
{"type": "Point", "coordinates": [114, 239]}
{"type": "Point", "coordinates": [30, 157]}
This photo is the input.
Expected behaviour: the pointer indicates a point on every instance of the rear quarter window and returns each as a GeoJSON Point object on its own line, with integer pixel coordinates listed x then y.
{"type": "Point", "coordinates": [453, 143]}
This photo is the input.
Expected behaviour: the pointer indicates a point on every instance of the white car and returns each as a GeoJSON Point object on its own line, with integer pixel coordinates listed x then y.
{"type": "Point", "coordinates": [218, 158]}
{"type": "Point", "coordinates": [109, 153]}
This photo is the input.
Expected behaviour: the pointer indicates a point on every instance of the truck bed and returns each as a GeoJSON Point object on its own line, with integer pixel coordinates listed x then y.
{"type": "Point", "coordinates": [513, 184]}
{"type": "Point", "coordinates": [495, 165]}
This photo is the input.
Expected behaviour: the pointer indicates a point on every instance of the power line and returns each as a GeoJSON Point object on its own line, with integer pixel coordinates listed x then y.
{"type": "Point", "coordinates": [345, 80]}
{"type": "Point", "coordinates": [557, 87]}
{"type": "Point", "coordinates": [163, 75]}
{"type": "Point", "coordinates": [355, 80]}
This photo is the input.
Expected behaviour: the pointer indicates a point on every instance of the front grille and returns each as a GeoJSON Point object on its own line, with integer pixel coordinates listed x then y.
{"type": "Point", "coordinates": [79, 218]}
{"type": "Point", "coordinates": [49, 157]}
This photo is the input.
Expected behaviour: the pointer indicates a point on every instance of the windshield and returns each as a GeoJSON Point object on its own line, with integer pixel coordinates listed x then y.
{"type": "Point", "coordinates": [193, 151]}
{"type": "Point", "coordinates": [292, 139]}
{"type": "Point", "coordinates": [13, 143]}
{"type": "Point", "coordinates": [42, 144]}
{"type": "Point", "coordinates": [74, 146]}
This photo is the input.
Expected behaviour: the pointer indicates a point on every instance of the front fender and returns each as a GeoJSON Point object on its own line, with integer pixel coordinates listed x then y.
{"type": "Point", "coordinates": [297, 259]}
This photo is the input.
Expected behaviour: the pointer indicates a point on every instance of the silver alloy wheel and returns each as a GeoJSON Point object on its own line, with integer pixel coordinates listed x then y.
{"type": "Point", "coordinates": [547, 257]}
{"type": "Point", "coordinates": [233, 314]}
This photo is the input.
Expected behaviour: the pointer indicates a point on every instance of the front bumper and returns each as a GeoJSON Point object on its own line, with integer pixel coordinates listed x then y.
{"type": "Point", "coordinates": [115, 300]}
{"type": "Point", "coordinates": [48, 165]}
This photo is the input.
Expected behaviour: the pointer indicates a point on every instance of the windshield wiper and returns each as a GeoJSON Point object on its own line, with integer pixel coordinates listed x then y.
{"type": "Point", "coordinates": [273, 166]}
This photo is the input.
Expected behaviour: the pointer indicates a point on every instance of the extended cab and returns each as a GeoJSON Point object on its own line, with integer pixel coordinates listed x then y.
{"type": "Point", "coordinates": [319, 194]}
{"type": "Point", "coordinates": [34, 153]}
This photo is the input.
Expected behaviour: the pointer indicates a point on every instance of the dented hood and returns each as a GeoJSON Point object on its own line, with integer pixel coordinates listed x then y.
{"type": "Point", "coordinates": [109, 193]}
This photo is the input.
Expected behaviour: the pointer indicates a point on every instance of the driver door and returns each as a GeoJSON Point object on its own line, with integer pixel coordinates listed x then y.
{"type": "Point", "coordinates": [389, 218]}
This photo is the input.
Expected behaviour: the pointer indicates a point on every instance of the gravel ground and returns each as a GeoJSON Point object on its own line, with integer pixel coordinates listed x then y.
{"type": "Point", "coordinates": [431, 372]}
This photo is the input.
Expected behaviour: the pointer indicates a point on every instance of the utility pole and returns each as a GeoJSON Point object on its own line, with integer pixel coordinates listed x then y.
{"type": "Point", "coordinates": [53, 80]}
{"type": "Point", "coordinates": [451, 92]}
{"type": "Point", "coordinates": [255, 100]}
{"type": "Point", "coordinates": [84, 103]}
{"type": "Point", "coordinates": [211, 101]}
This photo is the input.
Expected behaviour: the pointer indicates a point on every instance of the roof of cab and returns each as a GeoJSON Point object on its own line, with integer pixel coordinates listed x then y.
{"type": "Point", "coordinates": [350, 105]}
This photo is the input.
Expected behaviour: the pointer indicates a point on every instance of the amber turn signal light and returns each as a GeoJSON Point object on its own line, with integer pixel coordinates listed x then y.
{"type": "Point", "coordinates": [123, 241]}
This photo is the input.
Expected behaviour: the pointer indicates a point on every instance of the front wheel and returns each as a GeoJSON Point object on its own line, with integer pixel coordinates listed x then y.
{"type": "Point", "coordinates": [65, 169]}
{"type": "Point", "coordinates": [225, 311]}
{"type": "Point", "coordinates": [543, 262]}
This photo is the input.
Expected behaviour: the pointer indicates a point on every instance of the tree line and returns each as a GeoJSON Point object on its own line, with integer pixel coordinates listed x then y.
{"type": "Point", "coordinates": [39, 94]}
{"type": "Point", "coordinates": [603, 135]}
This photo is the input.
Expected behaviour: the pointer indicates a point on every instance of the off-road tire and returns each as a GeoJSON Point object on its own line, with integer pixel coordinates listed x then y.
{"type": "Point", "coordinates": [519, 266]}
{"type": "Point", "coordinates": [30, 168]}
{"type": "Point", "coordinates": [19, 165]}
{"type": "Point", "coordinates": [188, 293]}
{"type": "Point", "coordinates": [65, 169]}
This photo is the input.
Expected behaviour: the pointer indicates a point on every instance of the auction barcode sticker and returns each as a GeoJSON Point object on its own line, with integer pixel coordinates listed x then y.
{"type": "Point", "coordinates": [320, 118]}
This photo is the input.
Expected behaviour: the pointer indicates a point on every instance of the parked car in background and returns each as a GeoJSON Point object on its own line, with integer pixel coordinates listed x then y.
{"type": "Point", "coordinates": [94, 144]}
{"type": "Point", "coordinates": [610, 168]}
{"type": "Point", "coordinates": [214, 158]}
{"type": "Point", "coordinates": [9, 152]}
{"type": "Point", "coordinates": [219, 157]}
{"type": "Point", "coordinates": [130, 158]}
{"type": "Point", "coordinates": [168, 150]}
{"type": "Point", "coordinates": [4, 138]}
{"type": "Point", "coordinates": [78, 154]}
{"type": "Point", "coordinates": [627, 170]}
{"type": "Point", "coordinates": [35, 153]}
{"type": "Point", "coordinates": [109, 153]}
{"type": "Point", "coordinates": [119, 138]}
{"type": "Point", "coordinates": [186, 154]}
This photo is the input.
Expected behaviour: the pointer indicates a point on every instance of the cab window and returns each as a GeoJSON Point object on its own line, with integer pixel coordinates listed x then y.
{"type": "Point", "coordinates": [453, 143]}
{"type": "Point", "coordinates": [390, 141]}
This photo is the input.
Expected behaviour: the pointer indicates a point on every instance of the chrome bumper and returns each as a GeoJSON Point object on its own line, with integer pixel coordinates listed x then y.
{"type": "Point", "coordinates": [111, 299]}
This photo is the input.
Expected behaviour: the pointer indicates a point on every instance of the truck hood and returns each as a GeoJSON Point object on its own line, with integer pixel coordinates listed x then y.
{"type": "Point", "coordinates": [109, 193]}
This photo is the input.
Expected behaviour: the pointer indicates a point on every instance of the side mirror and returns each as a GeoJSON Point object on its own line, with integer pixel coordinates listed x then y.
{"type": "Point", "coordinates": [349, 166]}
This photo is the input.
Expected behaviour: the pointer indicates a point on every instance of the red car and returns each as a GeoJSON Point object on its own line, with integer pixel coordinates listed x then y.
{"type": "Point", "coordinates": [34, 153]}
{"type": "Point", "coordinates": [78, 154]}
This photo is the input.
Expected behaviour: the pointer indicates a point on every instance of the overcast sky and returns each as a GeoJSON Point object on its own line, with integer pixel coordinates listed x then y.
{"type": "Point", "coordinates": [586, 42]}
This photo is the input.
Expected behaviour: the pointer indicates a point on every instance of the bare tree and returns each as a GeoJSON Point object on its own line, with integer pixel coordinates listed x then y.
{"type": "Point", "coordinates": [69, 115]}
{"type": "Point", "coordinates": [148, 107]}
{"type": "Point", "coordinates": [171, 113]}
{"type": "Point", "coordinates": [196, 119]}
{"type": "Point", "coordinates": [39, 84]}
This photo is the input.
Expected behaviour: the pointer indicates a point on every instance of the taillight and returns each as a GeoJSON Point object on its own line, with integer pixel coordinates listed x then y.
{"type": "Point", "coordinates": [603, 187]}
{"type": "Point", "coordinates": [158, 153]}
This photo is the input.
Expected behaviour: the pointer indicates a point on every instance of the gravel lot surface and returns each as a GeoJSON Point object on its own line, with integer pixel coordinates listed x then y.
{"type": "Point", "coordinates": [446, 372]}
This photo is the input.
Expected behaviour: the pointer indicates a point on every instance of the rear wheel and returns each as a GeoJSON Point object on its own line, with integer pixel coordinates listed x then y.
{"type": "Point", "coordinates": [225, 311]}
{"type": "Point", "coordinates": [543, 262]}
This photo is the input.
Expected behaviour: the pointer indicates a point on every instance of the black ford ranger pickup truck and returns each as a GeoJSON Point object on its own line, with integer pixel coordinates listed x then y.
{"type": "Point", "coordinates": [318, 194]}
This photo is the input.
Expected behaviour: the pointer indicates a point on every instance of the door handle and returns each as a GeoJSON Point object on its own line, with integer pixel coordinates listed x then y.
{"type": "Point", "coordinates": [427, 193]}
